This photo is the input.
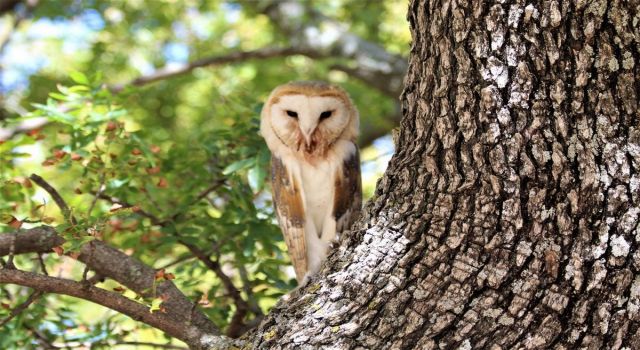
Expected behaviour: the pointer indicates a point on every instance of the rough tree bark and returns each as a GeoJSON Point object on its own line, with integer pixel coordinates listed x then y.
{"type": "Point", "coordinates": [508, 218]}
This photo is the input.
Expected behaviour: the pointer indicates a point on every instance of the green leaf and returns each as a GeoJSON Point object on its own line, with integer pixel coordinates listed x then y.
{"type": "Point", "coordinates": [116, 183]}
{"type": "Point", "coordinates": [20, 155]}
{"type": "Point", "coordinates": [74, 245]}
{"type": "Point", "coordinates": [54, 114]}
{"type": "Point", "coordinates": [78, 88]}
{"type": "Point", "coordinates": [59, 96]}
{"type": "Point", "coordinates": [239, 165]}
{"type": "Point", "coordinates": [95, 117]}
{"type": "Point", "coordinates": [79, 77]}
{"type": "Point", "coordinates": [155, 305]}
{"type": "Point", "coordinates": [190, 231]}
{"type": "Point", "coordinates": [256, 176]}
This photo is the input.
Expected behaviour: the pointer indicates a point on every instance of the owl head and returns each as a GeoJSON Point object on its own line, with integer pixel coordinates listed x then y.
{"type": "Point", "coordinates": [307, 118]}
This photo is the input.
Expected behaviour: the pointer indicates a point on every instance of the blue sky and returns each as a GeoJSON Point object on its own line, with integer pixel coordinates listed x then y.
{"type": "Point", "coordinates": [26, 53]}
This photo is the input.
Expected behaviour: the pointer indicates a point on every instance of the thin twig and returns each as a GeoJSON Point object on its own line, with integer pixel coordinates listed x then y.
{"type": "Point", "coordinates": [177, 261]}
{"type": "Point", "coordinates": [114, 200]}
{"type": "Point", "coordinates": [242, 307]}
{"type": "Point", "coordinates": [43, 267]}
{"type": "Point", "coordinates": [98, 193]}
{"type": "Point", "coordinates": [154, 219]}
{"type": "Point", "coordinates": [55, 195]}
{"type": "Point", "coordinates": [85, 272]}
{"type": "Point", "coordinates": [95, 279]}
{"type": "Point", "coordinates": [12, 252]}
{"type": "Point", "coordinates": [246, 287]}
{"type": "Point", "coordinates": [37, 294]}
{"type": "Point", "coordinates": [214, 186]}
{"type": "Point", "coordinates": [41, 338]}
{"type": "Point", "coordinates": [18, 309]}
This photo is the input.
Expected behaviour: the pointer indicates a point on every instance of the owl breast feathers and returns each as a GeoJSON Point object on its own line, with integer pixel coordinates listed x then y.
{"type": "Point", "coordinates": [311, 129]}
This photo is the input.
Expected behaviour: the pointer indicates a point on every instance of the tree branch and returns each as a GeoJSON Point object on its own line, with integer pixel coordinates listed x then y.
{"type": "Point", "coordinates": [37, 294]}
{"type": "Point", "coordinates": [165, 322]}
{"type": "Point", "coordinates": [23, 127]}
{"type": "Point", "coordinates": [18, 309]}
{"type": "Point", "coordinates": [41, 338]}
{"type": "Point", "coordinates": [36, 240]}
{"type": "Point", "coordinates": [233, 57]}
{"type": "Point", "coordinates": [242, 307]}
{"type": "Point", "coordinates": [237, 326]}
{"type": "Point", "coordinates": [113, 200]}
{"type": "Point", "coordinates": [110, 262]}
{"type": "Point", "coordinates": [55, 195]}
{"type": "Point", "coordinates": [153, 345]}
{"type": "Point", "coordinates": [304, 26]}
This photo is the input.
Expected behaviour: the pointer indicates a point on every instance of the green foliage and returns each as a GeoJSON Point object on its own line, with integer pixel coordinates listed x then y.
{"type": "Point", "coordinates": [150, 169]}
{"type": "Point", "coordinates": [145, 193]}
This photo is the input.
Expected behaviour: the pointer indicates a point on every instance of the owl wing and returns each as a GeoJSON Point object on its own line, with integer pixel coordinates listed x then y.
{"type": "Point", "coordinates": [347, 201]}
{"type": "Point", "coordinates": [290, 212]}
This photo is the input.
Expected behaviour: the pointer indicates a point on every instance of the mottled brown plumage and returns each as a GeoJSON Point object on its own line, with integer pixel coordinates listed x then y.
{"type": "Point", "coordinates": [311, 129]}
{"type": "Point", "coordinates": [290, 213]}
{"type": "Point", "coordinates": [348, 199]}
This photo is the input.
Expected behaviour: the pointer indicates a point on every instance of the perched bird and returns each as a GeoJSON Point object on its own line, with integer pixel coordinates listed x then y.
{"type": "Point", "coordinates": [311, 129]}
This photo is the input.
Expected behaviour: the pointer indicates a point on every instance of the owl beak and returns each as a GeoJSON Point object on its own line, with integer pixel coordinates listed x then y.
{"type": "Point", "coordinates": [307, 140]}
{"type": "Point", "coordinates": [307, 137]}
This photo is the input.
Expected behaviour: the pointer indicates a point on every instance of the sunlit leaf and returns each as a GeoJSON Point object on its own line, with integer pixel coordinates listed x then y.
{"type": "Point", "coordinates": [239, 165]}
{"type": "Point", "coordinates": [79, 77]}
{"type": "Point", "coordinates": [256, 176]}
{"type": "Point", "coordinates": [155, 305]}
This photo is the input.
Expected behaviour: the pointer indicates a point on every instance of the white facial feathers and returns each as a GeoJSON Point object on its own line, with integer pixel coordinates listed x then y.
{"type": "Point", "coordinates": [305, 118]}
{"type": "Point", "coordinates": [311, 129]}
{"type": "Point", "coordinates": [309, 112]}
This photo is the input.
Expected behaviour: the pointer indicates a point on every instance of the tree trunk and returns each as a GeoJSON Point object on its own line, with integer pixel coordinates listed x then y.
{"type": "Point", "coordinates": [508, 218]}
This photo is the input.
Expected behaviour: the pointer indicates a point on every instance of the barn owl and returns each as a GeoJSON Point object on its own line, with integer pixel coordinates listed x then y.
{"type": "Point", "coordinates": [311, 130]}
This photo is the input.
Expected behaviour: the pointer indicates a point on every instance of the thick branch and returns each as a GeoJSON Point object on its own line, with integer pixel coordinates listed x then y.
{"type": "Point", "coordinates": [35, 240]}
{"type": "Point", "coordinates": [237, 326]}
{"type": "Point", "coordinates": [315, 32]}
{"type": "Point", "coordinates": [147, 344]}
{"type": "Point", "coordinates": [233, 57]}
{"type": "Point", "coordinates": [110, 262]}
{"type": "Point", "coordinates": [165, 322]}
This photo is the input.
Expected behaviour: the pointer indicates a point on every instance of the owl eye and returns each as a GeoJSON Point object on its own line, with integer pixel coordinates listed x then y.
{"type": "Point", "coordinates": [292, 114]}
{"type": "Point", "coordinates": [325, 114]}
